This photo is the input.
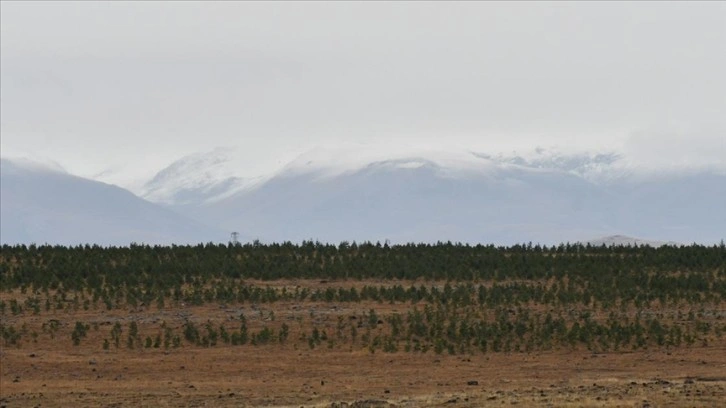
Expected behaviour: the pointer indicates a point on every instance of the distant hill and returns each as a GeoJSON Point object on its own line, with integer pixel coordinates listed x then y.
{"type": "Point", "coordinates": [617, 240]}
{"type": "Point", "coordinates": [40, 204]}
{"type": "Point", "coordinates": [196, 179]}
{"type": "Point", "coordinates": [354, 195]}
{"type": "Point", "coordinates": [467, 197]}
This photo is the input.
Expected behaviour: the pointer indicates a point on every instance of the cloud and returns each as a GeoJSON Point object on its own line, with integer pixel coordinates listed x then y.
{"type": "Point", "coordinates": [138, 85]}
{"type": "Point", "coordinates": [676, 150]}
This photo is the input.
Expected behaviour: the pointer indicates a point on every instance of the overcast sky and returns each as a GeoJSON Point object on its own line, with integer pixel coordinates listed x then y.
{"type": "Point", "coordinates": [136, 85]}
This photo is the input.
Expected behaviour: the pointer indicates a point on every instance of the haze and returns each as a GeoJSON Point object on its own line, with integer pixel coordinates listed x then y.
{"type": "Point", "coordinates": [129, 87]}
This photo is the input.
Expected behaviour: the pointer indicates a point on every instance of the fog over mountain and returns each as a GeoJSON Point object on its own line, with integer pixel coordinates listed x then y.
{"type": "Point", "coordinates": [335, 194]}
{"type": "Point", "coordinates": [406, 121]}
{"type": "Point", "coordinates": [196, 179]}
{"type": "Point", "coordinates": [122, 89]}
{"type": "Point", "coordinates": [357, 194]}
{"type": "Point", "coordinates": [42, 204]}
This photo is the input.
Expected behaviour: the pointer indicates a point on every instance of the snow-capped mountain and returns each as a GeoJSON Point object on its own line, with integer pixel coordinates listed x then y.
{"type": "Point", "coordinates": [471, 197]}
{"type": "Point", "coordinates": [42, 204]}
{"type": "Point", "coordinates": [207, 177]}
{"type": "Point", "coordinates": [374, 194]}
{"type": "Point", "coordinates": [597, 167]}
{"type": "Point", "coordinates": [410, 200]}
{"type": "Point", "coordinates": [197, 179]}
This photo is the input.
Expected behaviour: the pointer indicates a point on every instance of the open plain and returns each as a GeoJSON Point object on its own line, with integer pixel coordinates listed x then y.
{"type": "Point", "coordinates": [527, 338]}
{"type": "Point", "coordinates": [52, 372]}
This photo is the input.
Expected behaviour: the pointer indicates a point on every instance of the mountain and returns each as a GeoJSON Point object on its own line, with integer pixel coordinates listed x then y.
{"type": "Point", "coordinates": [469, 197]}
{"type": "Point", "coordinates": [617, 240]}
{"type": "Point", "coordinates": [413, 200]}
{"type": "Point", "coordinates": [372, 195]}
{"type": "Point", "coordinates": [599, 167]}
{"type": "Point", "coordinates": [42, 204]}
{"type": "Point", "coordinates": [197, 179]}
{"type": "Point", "coordinates": [207, 177]}
{"type": "Point", "coordinates": [685, 208]}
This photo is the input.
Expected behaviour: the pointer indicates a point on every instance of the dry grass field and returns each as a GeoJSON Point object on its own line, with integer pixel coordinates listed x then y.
{"type": "Point", "coordinates": [50, 371]}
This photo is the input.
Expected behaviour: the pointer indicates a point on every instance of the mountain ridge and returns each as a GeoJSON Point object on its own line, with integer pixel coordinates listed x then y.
{"type": "Point", "coordinates": [214, 175]}
{"type": "Point", "coordinates": [417, 200]}
{"type": "Point", "coordinates": [624, 240]}
{"type": "Point", "coordinates": [459, 196]}
{"type": "Point", "coordinates": [39, 204]}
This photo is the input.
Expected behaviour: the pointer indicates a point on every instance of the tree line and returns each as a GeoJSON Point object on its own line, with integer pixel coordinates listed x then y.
{"type": "Point", "coordinates": [86, 266]}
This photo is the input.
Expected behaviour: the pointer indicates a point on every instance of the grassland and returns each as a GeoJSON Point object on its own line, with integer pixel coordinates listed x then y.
{"type": "Point", "coordinates": [547, 338]}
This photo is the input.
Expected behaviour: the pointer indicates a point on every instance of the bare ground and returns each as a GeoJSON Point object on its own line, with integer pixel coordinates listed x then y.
{"type": "Point", "coordinates": [54, 373]}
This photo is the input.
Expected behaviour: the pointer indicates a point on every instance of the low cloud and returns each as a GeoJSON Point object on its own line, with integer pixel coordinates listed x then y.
{"type": "Point", "coordinates": [676, 150]}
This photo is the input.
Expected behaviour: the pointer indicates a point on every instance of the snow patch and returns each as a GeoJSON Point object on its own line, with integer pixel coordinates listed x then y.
{"type": "Point", "coordinates": [199, 178]}
{"type": "Point", "coordinates": [410, 165]}
{"type": "Point", "coordinates": [346, 159]}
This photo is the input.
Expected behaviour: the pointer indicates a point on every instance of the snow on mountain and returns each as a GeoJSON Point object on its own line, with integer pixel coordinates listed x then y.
{"type": "Point", "coordinates": [212, 176]}
{"type": "Point", "coordinates": [368, 193]}
{"type": "Point", "coordinates": [360, 193]}
{"type": "Point", "coordinates": [414, 199]}
{"type": "Point", "coordinates": [128, 177]}
{"type": "Point", "coordinates": [593, 166]}
{"type": "Point", "coordinates": [342, 159]}
{"type": "Point", "coordinates": [198, 178]}
{"type": "Point", "coordinates": [208, 177]}
{"type": "Point", "coordinates": [40, 204]}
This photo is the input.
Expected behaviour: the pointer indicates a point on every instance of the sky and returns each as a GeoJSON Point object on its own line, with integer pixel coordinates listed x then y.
{"type": "Point", "coordinates": [131, 86]}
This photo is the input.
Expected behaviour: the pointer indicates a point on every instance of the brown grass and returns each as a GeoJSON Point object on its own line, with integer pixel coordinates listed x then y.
{"type": "Point", "coordinates": [54, 373]}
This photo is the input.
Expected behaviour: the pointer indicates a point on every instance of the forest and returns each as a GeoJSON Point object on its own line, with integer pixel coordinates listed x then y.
{"type": "Point", "coordinates": [416, 298]}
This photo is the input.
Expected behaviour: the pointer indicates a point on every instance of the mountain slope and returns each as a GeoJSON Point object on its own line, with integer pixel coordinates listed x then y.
{"type": "Point", "coordinates": [425, 196]}
{"type": "Point", "coordinates": [414, 200]}
{"type": "Point", "coordinates": [683, 208]}
{"type": "Point", "coordinates": [196, 179]}
{"type": "Point", "coordinates": [483, 200]}
{"type": "Point", "coordinates": [38, 204]}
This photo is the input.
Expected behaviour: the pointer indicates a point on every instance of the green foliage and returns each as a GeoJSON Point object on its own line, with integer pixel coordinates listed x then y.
{"type": "Point", "coordinates": [150, 274]}
{"type": "Point", "coordinates": [10, 335]}
{"type": "Point", "coordinates": [116, 334]}
{"type": "Point", "coordinates": [284, 333]}
{"type": "Point", "coordinates": [264, 336]}
{"type": "Point", "coordinates": [465, 298]}
{"type": "Point", "coordinates": [79, 331]}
